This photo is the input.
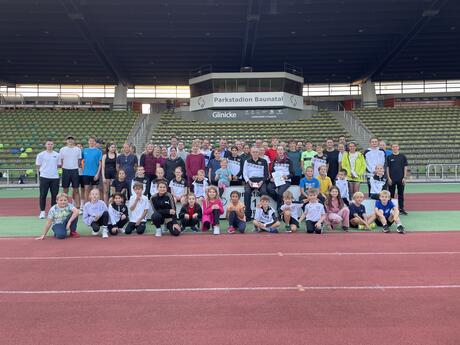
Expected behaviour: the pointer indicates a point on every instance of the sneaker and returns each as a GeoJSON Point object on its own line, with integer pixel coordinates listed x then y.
{"type": "Point", "coordinates": [231, 230]}
{"type": "Point", "coordinates": [194, 229]}
{"type": "Point", "coordinates": [386, 228]}
{"type": "Point", "coordinates": [80, 211]}
{"type": "Point", "coordinates": [42, 215]}
{"type": "Point", "coordinates": [400, 229]}
{"type": "Point", "coordinates": [216, 231]}
{"type": "Point", "coordinates": [105, 232]}
{"type": "Point", "coordinates": [345, 228]}
{"type": "Point", "coordinates": [361, 227]}
{"type": "Point", "coordinates": [158, 232]}
{"type": "Point", "coordinates": [403, 211]}
{"type": "Point", "coordinates": [121, 230]}
{"type": "Point", "coordinates": [74, 234]}
{"type": "Point", "coordinates": [273, 230]}
{"type": "Point", "coordinates": [94, 233]}
{"type": "Point", "coordinates": [372, 225]}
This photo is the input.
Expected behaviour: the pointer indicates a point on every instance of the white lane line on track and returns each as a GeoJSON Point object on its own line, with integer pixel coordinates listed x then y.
{"type": "Point", "coordinates": [227, 289]}
{"type": "Point", "coordinates": [201, 255]}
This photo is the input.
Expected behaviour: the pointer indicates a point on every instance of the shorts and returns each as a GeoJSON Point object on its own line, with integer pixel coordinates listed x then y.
{"type": "Point", "coordinates": [291, 221]}
{"type": "Point", "coordinates": [89, 181]}
{"type": "Point", "coordinates": [110, 174]}
{"type": "Point", "coordinates": [80, 181]}
{"type": "Point", "coordinates": [70, 177]}
{"type": "Point", "coordinates": [379, 223]}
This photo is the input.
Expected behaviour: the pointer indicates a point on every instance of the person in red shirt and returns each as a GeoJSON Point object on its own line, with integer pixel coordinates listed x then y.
{"type": "Point", "coordinates": [194, 162]}
{"type": "Point", "coordinates": [190, 214]}
{"type": "Point", "coordinates": [272, 152]}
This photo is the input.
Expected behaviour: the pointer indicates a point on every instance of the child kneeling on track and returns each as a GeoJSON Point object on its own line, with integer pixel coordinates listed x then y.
{"type": "Point", "coordinates": [314, 213]}
{"type": "Point", "coordinates": [138, 207]}
{"type": "Point", "coordinates": [191, 214]}
{"type": "Point", "coordinates": [387, 213]}
{"type": "Point", "coordinates": [378, 182]}
{"type": "Point", "coordinates": [236, 214]}
{"type": "Point", "coordinates": [164, 211]}
{"type": "Point", "coordinates": [96, 215]}
{"type": "Point", "coordinates": [62, 217]}
{"type": "Point", "coordinates": [336, 210]}
{"type": "Point", "coordinates": [212, 210]}
{"type": "Point", "coordinates": [358, 217]}
{"type": "Point", "coordinates": [291, 212]}
{"type": "Point", "coordinates": [265, 218]}
{"type": "Point", "coordinates": [118, 214]}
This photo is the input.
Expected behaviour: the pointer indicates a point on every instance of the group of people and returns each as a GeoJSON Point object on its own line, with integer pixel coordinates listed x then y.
{"type": "Point", "coordinates": [118, 192]}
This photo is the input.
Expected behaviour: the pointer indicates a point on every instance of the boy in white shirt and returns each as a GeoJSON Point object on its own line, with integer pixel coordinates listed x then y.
{"type": "Point", "coordinates": [291, 212]}
{"type": "Point", "coordinates": [138, 207]}
{"type": "Point", "coordinates": [265, 218]}
{"type": "Point", "coordinates": [314, 214]}
{"type": "Point", "coordinates": [342, 184]}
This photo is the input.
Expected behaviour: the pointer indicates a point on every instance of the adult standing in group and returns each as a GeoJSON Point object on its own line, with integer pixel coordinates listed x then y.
{"type": "Point", "coordinates": [397, 174]}
{"type": "Point", "coordinates": [127, 161]}
{"type": "Point", "coordinates": [355, 165]}
{"type": "Point", "coordinates": [181, 151]}
{"type": "Point", "coordinates": [173, 142]}
{"type": "Point", "coordinates": [332, 160]}
{"type": "Point", "coordinates": [281, 164]}
{"type": "Point", "coordinates": [172, 163]}
{"type": "Point", "coordinates": [295, 156]}
{"type": "Point", "coordinates": [69, 157]}
{"type": "Point", "coordinates": [206, 151]}
{"type": "Point", "coordinates": [256, 176]}
{"type": "Point", "coordinates": [374, 156]}
{"type": "Point", "coordinates": [109, 169]}
{"type": "Point", "coordinates": [194, 162]}
{"type": "Point", "coordinates": [224, 153]}
{"type": "Point", "coordinates": [92, 168]}
{"type": "Point", "coordinates": [343, 141]}
{"type": "Point", "coordinates": [151, 159]}
{"type": "Point", "coordinates": [47, 163]}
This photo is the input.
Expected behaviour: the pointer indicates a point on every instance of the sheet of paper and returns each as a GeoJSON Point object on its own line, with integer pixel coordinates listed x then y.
{"type": "Point", "coordinates": [277, 177]}
{"type": "Point", "coordinates": [234, 167]}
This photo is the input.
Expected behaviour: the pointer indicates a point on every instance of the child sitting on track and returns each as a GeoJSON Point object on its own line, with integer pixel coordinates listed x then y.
{"type": "Point", "coordinates": [387, 213]}
{"type": "Point", "coordinates": [291, 212]}
{"type": "Point", "coordinates": [212, 209]}
{"type": "Point", "coordinates": [265, 218]}
{"type": "Point", "coordinates": [118, 214]}
{"type": "Point", "coordinates": [358, 217]}
{"type": "Point", "coordinates": [62, 217]}
{"type": "Point", "coordinates": [164, 211]}
{"type": "Point", "coordinates": [191, 213]}
{"type": "Point", "coordinates": [138, 207]}
{"type": "Point", "coordinates": [236, 214]}
{"type": "Point", "coordinates": [336, 210]}
{"type": "Point", "coordinates": [314, 213]}
{"type": "Point", "coordinates": [95, 214]}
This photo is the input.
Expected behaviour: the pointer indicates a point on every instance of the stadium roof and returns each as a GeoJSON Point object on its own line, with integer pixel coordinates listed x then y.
{"type": "Point", "coordinates": [160, 42]}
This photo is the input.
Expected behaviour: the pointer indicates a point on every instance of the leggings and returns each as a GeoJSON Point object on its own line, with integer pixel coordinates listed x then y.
{"type": "Point", "coordinates": [158, 219]}
{"type": "Point", "coordinates": [102, 221]}
{"type": "Point", "coordinates": [51, 184]}
{"type": "Point", "coordinates": [120, 224]}
{"type": "Point", "coordinates": [190, 222]}
{"type": "Point", "coordinates": [215, 220]}
{"type": "Point", "coordinates": [140, 229]}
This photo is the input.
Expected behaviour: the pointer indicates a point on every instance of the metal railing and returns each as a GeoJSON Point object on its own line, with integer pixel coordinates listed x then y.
{"type": "Point", "coordinates": [18, 178]}
{"type": "Point", "coordinates": [442, 172]}
{"type": "Point", "coordinates": [137, 136]}
{"type": "Point", "coordinates": [355, 124]}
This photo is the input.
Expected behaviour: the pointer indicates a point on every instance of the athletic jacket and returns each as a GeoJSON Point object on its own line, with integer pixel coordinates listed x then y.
{"type": "Point", "coordinates": [196, 209]}
{"type": "Point", "coordinates": [199, 188]}
{"type": "Point", "coordinates": [163, 204]}
{"type": "Point", "coordinates": [374, 157]}
{"type": "Point", "coordinates": [267, 218]}
{"type": "Point", "coordinates": [285, 166]}
{"type": "Point", "coordinates": [377, 184]}
{"type": "Point", "coordinates": [255, 171]}
{"type": "Point", "coordinates": [116, 211]}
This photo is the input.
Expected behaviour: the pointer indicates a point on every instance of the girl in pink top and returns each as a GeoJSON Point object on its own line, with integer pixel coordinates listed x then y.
{"type": "Point", "coordinates": [336, 210]}
{"type": "Point", "coordinates": [212, 210]}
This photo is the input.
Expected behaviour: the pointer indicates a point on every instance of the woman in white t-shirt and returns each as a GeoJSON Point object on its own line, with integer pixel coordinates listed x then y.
{"type": "Point", "coordinates": [47, 163]}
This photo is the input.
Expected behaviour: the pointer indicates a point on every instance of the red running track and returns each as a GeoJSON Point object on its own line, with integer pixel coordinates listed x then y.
{"type": "Point", "coordinates": [414, 202]}
{"type": "Point", "coordinates": [274, 289]}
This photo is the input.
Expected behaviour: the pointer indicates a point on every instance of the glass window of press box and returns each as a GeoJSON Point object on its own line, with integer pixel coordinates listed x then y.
{"type": "Point", "coordinates": [246, 85]}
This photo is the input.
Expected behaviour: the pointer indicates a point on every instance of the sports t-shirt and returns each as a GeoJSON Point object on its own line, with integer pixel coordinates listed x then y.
{"type": "Point", "coordinates": [69, 156]}
{"type": "Point", "coordinates": [318, 161]}
{"type": "Point", "coordinates": [356, 210]}
{"type": "Point", "coordinates": [314, 211]}
{"type": "Point", "coordinates": [295, 209]}
{"type": "Point", "coordinates": [385, 208]}
{"type": "Point", "coordinates": [306, 184]}
{"type": "Point", "coordinates": [342, 185]}
{"type": "Point", "coordinates": [178, 188]}
{"type": "Point", "coordinates": [396, 164]}
{"type": "Point", "coordinates": [224, 176]}
{"type": "Point", "coordinates": [127, 163]}
{"type": "Point", "coordinates": [265, 217]}
{"type": "Point", "coordinates": [377, 184]}
{"type": "Point", "coordinates": [325, 184]}
{"type": "Point", "coordinates": [59, 215]}
{"type": "Point", "coordinates": [333, 162]}
{"type": "Point", "coordinates": [295, 157]}
{"type": "Point", "coordinates": [92, 157]}
{"type": "Point", "coordinates": [141, 206]}
{"type": "Point", "coordinates": [120, 185]}
{"type": "Point", "coordinates": [199, 188]}
{"type": "Point", "coordinates": [144, 180]}
{"type": "Point", "coordinates": [306, 158]}
{"type": "Point", "coordinates": [48, 162]}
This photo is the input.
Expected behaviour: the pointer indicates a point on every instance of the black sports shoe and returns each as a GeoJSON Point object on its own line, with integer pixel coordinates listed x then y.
{"type": "Point", "coordinates": [403, 211]}
{"type": "Point", "coordinates": [345, 228]}
{"type": "Point", "coordinates": [386, 228]}
{"type": "Point", "coordinates": [194, 229]}
{"type": "Point", "coordinates": [400, 229]}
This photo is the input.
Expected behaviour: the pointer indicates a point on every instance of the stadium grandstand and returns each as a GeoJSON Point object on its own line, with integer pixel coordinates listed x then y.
{"type": "Point", "coordinates": [151, 124]}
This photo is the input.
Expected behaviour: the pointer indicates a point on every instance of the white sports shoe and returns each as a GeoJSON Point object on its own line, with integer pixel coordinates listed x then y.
{"type": "Point", "coordinates": [105, 232]}
{"type": "Point", "coordinates": [158, 232]}
{"type": "Point", "coordinates": [94, 233]}
{"type": "Point", "coordinates": [42, 215]}
{"type": "Point", "coordinates": [216, 230]}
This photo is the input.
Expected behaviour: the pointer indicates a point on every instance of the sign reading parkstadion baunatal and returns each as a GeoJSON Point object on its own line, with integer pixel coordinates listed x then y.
{"type": "Point", "coordinates": [246, 100]}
